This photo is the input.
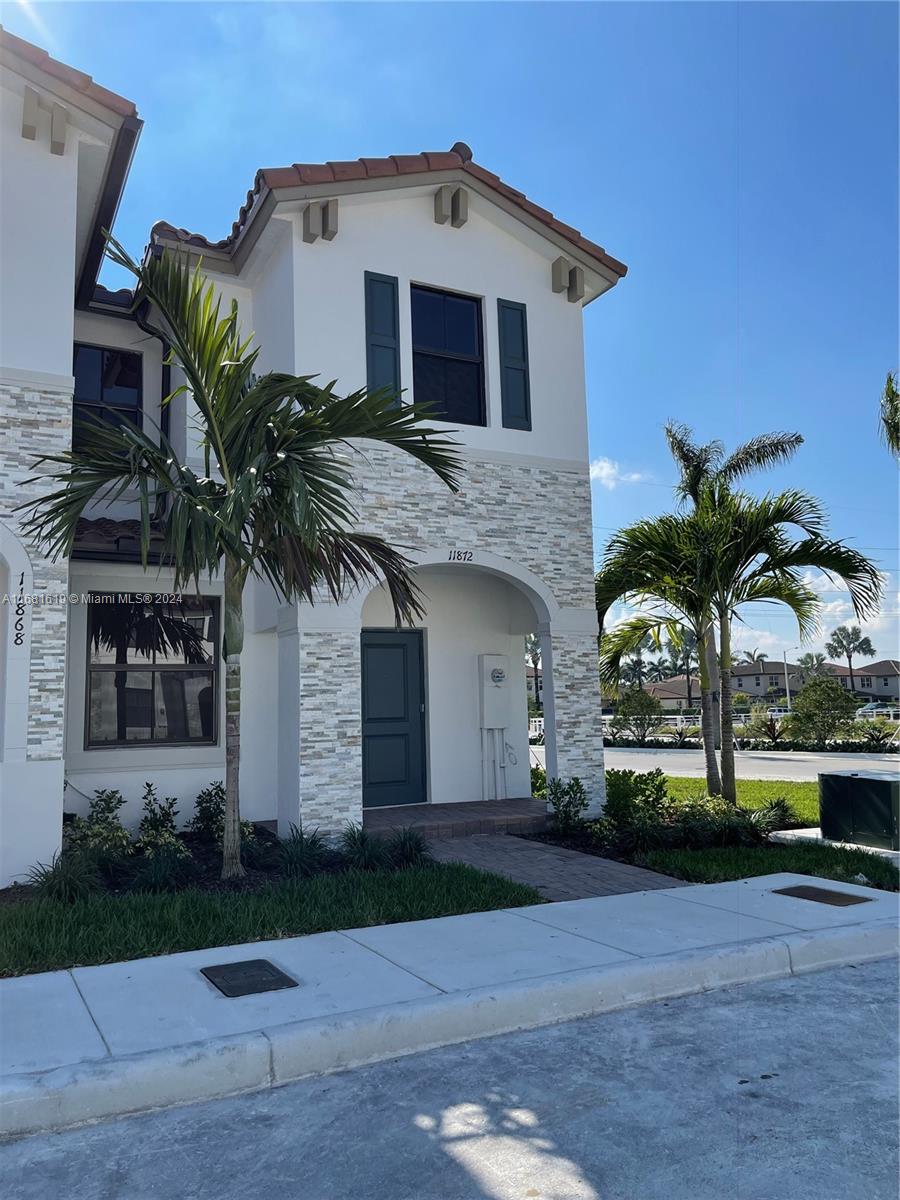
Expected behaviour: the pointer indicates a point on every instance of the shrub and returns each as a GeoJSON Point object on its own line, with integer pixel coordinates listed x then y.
{"type": "Point", "coordinates": [208, 821]}
{"type": "Point", "coordinates": [102, 829]}
{"type": "Point", "coordinates": [876, 734]}
{"type": "Point", "coordinates": [765, 727]}
{"type": "Point", "coordinates": [686, 734]}
{"type": "Point", "coordinates": [158, 830]}
{"type": "Point", "coordinates": [772, 816]}
{"type": "Point", "coordinates": [538, 782]}
{"type": "Point", "coordinates": [628, 792]}
{"type": "Point", "coordinates": [822, 710]}
{"type": "Point", "coordinates": [362, 851]}
{"type": "Point", "coordinates": [408, 848]}
{"type": "Point", "coordinates": [70, 876]}
{"type": "Point", "coordinates": [568, 802]}
{"type": "Point", "coordinates": [302, 854]}
{"type": "Point", "coordinates": [165, 868]}
{"type": "Point", "coordinates": [637, 715]}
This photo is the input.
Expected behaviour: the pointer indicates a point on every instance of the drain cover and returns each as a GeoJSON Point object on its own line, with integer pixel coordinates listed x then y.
{"type": "Point", "coordinates": [247, 978]}
{"type": "Point", "coordinates": [821, 895]}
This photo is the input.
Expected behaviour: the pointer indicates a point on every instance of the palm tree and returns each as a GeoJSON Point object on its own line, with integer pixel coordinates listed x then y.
{"type": "Point", "coordinates": [890, 414]}
{"type": "Point", "coordinates": [683, 658]}
{"type": "Point", "coordinates": [533, 655]}
{"type": "Point", "coordinates": [701, 567]}
{"type": "Point", "coordinates": [274, 497]}
{"type": "Point", "coordinates": [648, 565]}
{"type": "Point", "coordinates": [748, 550]}
{"type": "Point", "coordinates": [658, 669]}
{"type": "Point", "coordinates": [812, 666]}
{"type": "Point", "coordinates": [701, 465]}
{"type": "Point", "coordinates": [847, 640]}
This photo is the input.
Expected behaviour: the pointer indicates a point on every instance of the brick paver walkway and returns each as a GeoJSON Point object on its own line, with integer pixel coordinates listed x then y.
{"type": "Point", "coordinates": [557, 873]}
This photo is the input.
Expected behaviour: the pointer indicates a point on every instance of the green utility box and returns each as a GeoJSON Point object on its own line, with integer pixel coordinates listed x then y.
{"type": "Point", "coordinates": [861, 807]}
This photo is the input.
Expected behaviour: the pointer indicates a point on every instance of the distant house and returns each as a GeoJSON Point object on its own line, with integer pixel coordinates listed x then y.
{"type": "Point", "coordinates": [878, 680]}
{"type": "Point", "coordinates": [761, 678]}
{"type": "Point", "coordinates": [672, 693]}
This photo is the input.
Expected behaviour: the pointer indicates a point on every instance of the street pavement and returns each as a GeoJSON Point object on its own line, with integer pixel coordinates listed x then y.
{"type": "Point", "coordinates": [751, 764]}
{"type": "Point", "coordinates": [787, 1089]}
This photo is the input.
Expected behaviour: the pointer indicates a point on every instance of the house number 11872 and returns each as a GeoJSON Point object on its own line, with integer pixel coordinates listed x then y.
{"type": "Point", "coordinates": [460, 556]}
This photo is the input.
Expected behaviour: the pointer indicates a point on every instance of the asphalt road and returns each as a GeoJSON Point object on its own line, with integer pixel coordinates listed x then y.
{"type": "Point", "coordinates": [785, 1090]}
{"type": "Point", "coordinates": [755, 764]}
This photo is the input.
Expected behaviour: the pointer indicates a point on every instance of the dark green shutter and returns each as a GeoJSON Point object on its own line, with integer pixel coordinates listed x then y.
{"type": "Point", "coordinates": [382, 332]}
{"type": "Point", "coordinates": [515, 390]}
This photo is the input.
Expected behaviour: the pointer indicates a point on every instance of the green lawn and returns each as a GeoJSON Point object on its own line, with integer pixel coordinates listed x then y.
{"type": "Point", "coordinates": [753, 793]}
{"type": "Point", "coordinates": [738, 862]}
{"type": "Point", "coordinates": [47, 935]}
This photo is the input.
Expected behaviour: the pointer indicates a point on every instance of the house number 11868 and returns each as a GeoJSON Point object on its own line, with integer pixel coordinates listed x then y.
{"type": "Point", "coordinates": [460, 556]}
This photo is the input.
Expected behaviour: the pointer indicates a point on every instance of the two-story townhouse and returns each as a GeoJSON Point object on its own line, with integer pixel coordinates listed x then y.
{"type": "Point", "coordinates": [422, 272]}
{"type": "Point", "coordinates": [761, 678]}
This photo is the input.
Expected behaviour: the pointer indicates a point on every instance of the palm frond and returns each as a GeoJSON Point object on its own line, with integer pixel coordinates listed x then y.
{"type": "Point", "coordinates": [758, 454]}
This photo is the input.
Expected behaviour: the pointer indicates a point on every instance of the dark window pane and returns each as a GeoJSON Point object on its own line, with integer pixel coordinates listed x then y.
{"type": "Point", "coordinates": [146, 633]}
{"type": "Point", "coordinates": [428, 382]}
{"type": "Point", "coordinates": [121, 707]}
{"type": "Point", "coordinates": [87, 371]}
{"type": "Point", "coordinates": [122, 378]}
{"type": "Point", "coordinates": [184, 706]}
{"type": "Point", "coordinates": [463, 391]}
{"type": "Point", "coordinates": [427, 319]}
{"type": "Point", "coordinates": [461, 325]}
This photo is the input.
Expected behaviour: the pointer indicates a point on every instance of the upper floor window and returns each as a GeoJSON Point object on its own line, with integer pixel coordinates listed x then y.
{"type": "Point", "coordinates": [108, 385]}
{"type": "Point", "coordinates": [757, 681]}
{"type": "Point", "coordinates": [152, 672]}
{"type": "Point", "coordinates": [866, 681]}
{"type": "Point", "coordinates": [448, 355]}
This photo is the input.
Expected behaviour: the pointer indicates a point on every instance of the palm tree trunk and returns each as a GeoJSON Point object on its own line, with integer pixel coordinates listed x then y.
{"type": "Point", "coordinates": [233, 644]}
{"type": "Point", "coordinates": [712, 666]}
{"type": "Point", "coordinates": [729, 788]}
{"type": "Point", "coordinates": [707, 725]}
{"type": "Point", "coordinates": [852, 681]}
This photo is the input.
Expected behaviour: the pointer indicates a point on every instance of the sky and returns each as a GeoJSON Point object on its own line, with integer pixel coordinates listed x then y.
{"type": "Point", "coordinates": [740, 158]}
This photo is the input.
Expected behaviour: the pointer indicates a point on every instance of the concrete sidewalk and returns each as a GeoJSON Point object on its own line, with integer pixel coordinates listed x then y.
{"type": "Point", "coordinates": [94, 1042]}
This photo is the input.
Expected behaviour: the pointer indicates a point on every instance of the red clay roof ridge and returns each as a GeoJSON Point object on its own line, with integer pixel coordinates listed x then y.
{"type": "Point", "coordinates": [77, 80]}
{"type": "Point", "coordinates": [458, 157]}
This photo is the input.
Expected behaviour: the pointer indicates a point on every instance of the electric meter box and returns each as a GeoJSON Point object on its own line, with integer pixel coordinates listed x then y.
{"type": "Point", "coordinates": [493, 690]}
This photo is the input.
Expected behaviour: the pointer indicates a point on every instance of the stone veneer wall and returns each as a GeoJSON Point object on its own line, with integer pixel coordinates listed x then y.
{"type": "Point", "coordinates": [330, 729]}
{"type": "Point", "coordinates": [538, 516]}
{"type": "Point", "coordinates": [34, 422]}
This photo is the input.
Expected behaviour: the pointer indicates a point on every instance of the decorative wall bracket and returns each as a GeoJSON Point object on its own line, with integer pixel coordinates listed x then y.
{"type": "Point", "coordinates": [451, 204]}
{"type": "Point", "coordinates": [31, 109]}
{"type": "Point", "coordinates": [568, 278]}
{"type": "Point", "coordinates": [320, 220]}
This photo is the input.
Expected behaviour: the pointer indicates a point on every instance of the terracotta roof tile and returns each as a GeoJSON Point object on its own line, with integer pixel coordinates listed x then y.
{"type": "Point", "coordinates": [77, 80]}
{"type": "Point", "coordinates": [458, 157]}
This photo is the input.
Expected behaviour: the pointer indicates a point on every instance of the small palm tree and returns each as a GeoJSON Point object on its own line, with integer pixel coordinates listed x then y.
{"type": "Point", "coordinates": [533, 655]}
{"type": "Point", "coordinates": [274, 499]}
{"type": "Point", "coordinates": [890, 414]}
{"type": "Point", "coordinates": [812, 666]}
{"type": "Point", "coordinates": [847, 641]}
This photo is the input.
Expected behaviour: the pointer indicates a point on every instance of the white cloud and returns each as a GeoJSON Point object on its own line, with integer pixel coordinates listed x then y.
{"type": "Point", "coordinates": [609, 474]}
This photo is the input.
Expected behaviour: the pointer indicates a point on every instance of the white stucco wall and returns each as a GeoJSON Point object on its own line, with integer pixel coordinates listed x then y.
{"type": "Point", "coordinates": [37, 243]}
{"type": "Point", "coordinates": [468, 614]}
{"type": "Point", "coordinates": [395, 234]}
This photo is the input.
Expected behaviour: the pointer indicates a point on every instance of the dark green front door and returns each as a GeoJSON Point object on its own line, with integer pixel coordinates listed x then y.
{"type": "Point", "coordinates": [393, 718]}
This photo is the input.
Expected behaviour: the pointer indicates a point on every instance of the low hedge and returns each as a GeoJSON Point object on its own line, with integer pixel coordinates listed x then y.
{"type": "Point", "coordinates": [846, 746]}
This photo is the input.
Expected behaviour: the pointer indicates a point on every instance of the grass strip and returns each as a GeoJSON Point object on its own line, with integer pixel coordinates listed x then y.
{"type": "Point", "coordinates": [754, 793]}
{"type": "Point", "coordinates": [46, 935]}
{"type": "Point", "coordinates": [738, 862]}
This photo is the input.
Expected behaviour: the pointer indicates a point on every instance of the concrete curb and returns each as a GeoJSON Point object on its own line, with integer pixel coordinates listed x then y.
{"type": "Point", "coordinates": [208, 1070]}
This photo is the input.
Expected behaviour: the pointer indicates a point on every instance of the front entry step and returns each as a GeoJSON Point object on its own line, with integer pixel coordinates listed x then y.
{"type": "Point", "coordinates": [527, 815]}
